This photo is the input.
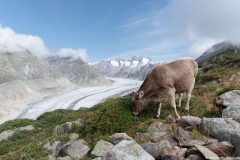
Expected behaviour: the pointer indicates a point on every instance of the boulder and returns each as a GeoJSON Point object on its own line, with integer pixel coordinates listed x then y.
{"type": "Point", "coordinates": [237, 151]}
{"type": "Point", "coordinates": [142, 137]}
{"type": "Point", "coordinates": [235, 139]}
{"type": "Point", "coordinates": [195, 157]}
{"type": "Point", "coordinates": [208, 154]}
{"type": "Point", "coordinates": [191, 143]}
{"type": "Point", "coordinates": [189, 121]}
{"type": "Point", "coordinates": [231, 98]}
{"type": "Point", "coordinates": [73, 137]}
{"type": "Point", "coordinates": [172, 157]}
{"type": "Point", "coordinates": [100, 148]}
{"type": "Point", "coordinates": [232, 112]}
{"type": "Point", "coordinates": [157, 136]}
{"type": "Point", "coordinates": [171, 140]}
{"type": "Point", "coordinates": [64, 158]}
{"type": "Point", "coordinates": [157, 127]}
{"type": "Point", "coordinates": [213, 125]}
{"type": "Point", "coordinates": [154, 149]}
{"type": "Point", "coordinates": [222, 149]}
{"type": "Point", "coordinates": [8, 133]}
{"type": "Point", "coordinates": [118, 137]}
{"type": "Point", "coordinates": [52, 147]}
{"type": "Point", "coordinates": [127, 150]}
{"type": "Point", "coordinates": [77, 149]}
{"type": "Point", "coordinates": [65, 127]}
{"type": "Point", "coordinates": [224, 134]}
{"type": "Point", "coordinates": [181, 135]}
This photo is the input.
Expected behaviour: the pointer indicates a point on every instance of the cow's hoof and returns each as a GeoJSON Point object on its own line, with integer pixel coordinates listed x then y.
{"type": "Point", "coordinates": [186, 110]}
{"type": "Point", "coordinates": [157, 116]}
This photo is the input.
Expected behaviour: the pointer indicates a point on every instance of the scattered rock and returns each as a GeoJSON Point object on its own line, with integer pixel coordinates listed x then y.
{"type": "Point", "coordinates": [181, 135]}
{"type": "Point", "coordinates": [231, 98]}
{"type": "Point", "coordinates": [118, 137]}
{"type": "Point", "coordinates": [64, 158]}
{"type": "Point", "coordinates": [77, 150]}
{"type": "Point", "coordinates": [235, 139]}
{"type": "Point", "coordinates": [73, 137]}
{"type": "Point", "coordinates": [157, 136]}
{"type": "Point", "coordinates": [191, 143]}
{"type": "Point", "coordinates": [171, 140]}
{"type": "Point", "coordinates": [52, 147]}
{"type": "Point", "coordinates": [155, 148]}
{"type": "Point", "coordinates": [208, 154]}
{"type": "Point", "coordinates": [195, 157]}
{"type": "Point", "coordinates": [127, 150]}
{"type": "Point", "coordinates": [65, 127]}
{"type": "Point", "coordinates": [193, 151]}
{"type": "Point", "coordinates": [172, 157]}
{"type": "Point", "coordinates": [181, 152]}
{"type": "Point", "coordinates": [142, 137]}
{"type": "Point", "coordinates": [237, 152]}
{"type": "Point", "coordinates": [213, 125]}
{"type": "Point", "coordinates": [166, 150]}
{"type": "Point", "coordinates": [232, 112]}
{"type": "Point", "coordinates": [100, 148]}
{"type": "Point", "coordinates": [222, 149]}
{"type": "Point", "coordinates": [189, 121]}
{"type": "Point", "coordinates": [157, 127]}
{"type": "Point", "coordinates": [224, 134]}
{"type": "Point", "coordinates": [8, 133]}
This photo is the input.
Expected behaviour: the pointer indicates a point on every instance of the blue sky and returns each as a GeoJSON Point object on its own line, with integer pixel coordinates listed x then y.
{"type": "Point", "coordinates": [98, 29]}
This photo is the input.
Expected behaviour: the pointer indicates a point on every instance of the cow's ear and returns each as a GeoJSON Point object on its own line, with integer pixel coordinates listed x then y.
{"type": "Point", "coordinates": [134, 94]}
{"type": "Point", "coordinates": [141, 94]}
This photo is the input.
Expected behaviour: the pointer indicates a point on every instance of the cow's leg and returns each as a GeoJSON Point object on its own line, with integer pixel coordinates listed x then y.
{"type": "Point", "coordinates": [180, 99]}
{"type": "Point", "coordinates": [171, 96]}
{"type": "Point", "coordinates": [189, 96]}
{"type": "Point", "coordinates": [159, 109]}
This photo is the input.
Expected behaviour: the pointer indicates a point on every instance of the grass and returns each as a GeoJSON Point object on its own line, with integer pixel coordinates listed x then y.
{"type": "Point", "coordinates": [114, 115]}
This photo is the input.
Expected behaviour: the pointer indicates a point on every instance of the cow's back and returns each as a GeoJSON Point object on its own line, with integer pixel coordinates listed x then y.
{"type": "Point", "coordinates": [180, 74]}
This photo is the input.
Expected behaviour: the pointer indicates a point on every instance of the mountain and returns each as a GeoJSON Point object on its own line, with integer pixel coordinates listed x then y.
{"type": "Point", "coordinates": [220, 63]}
{"type": "Point", "coordinates": [25, 79]}
{"type": "Point", "coordinates": [135, 68]}
{"type": "Point", "coordinates": [77, 71]}
{"type": "Point", "coordinates": [216, 49]}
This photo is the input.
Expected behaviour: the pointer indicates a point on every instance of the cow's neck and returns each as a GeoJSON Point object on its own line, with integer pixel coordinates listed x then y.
{"type": "Point", "coordinates": [146, 87]}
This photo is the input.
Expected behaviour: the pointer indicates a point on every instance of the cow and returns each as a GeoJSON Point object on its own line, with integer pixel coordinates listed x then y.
{"type": "Point", "coordinates": [164, 81]}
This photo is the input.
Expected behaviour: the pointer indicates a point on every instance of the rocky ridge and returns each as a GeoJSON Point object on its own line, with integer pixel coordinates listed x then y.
{"type": "Point", "coordinates": [77, 71]}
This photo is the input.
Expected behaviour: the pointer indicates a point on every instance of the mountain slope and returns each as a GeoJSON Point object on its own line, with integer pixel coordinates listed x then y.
{"type": "Point", "coordinates": [135, 68]}
{"type": "Point", "coordinates": [25, 79]}
{"type": "Point", "coordinates": [77, 71]}
{"type": "Point", "coordinates": [221, 47]}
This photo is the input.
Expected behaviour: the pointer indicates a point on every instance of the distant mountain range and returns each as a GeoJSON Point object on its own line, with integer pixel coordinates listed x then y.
{"type": "Point", "coordinates": [134, 68]}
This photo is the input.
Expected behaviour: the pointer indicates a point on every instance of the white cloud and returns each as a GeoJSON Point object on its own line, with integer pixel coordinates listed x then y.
{"type": "Point", "coordinates": [12, 42]}
{"type": "Point", "coordinates": [201, 23]}
{"type": "Point", "coordinates": [79, 53]}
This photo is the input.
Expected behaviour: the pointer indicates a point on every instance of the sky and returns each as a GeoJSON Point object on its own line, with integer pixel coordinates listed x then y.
{"type": "Point", "coordinates": [95, 30]}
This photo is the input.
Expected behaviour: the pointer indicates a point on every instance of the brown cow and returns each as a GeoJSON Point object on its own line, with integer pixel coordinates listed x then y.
{"type": "Point", "coordinates": [163, 81]}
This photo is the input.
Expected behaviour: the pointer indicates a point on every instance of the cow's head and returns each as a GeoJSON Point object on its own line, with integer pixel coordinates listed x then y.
{"type": "Point", "coordinates": [139, 102]}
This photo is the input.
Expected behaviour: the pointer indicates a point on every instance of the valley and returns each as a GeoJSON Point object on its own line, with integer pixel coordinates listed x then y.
{"type": "Point", "coordinates": [82, 97]}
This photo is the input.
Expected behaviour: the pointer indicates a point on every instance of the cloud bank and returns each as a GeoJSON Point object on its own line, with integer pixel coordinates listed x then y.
{"type": "Point", "coordinates": [202, 22]}
{"type": "Point", "coordinates": [13, 42]}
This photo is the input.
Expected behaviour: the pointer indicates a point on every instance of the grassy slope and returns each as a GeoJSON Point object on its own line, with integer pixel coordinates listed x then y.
{"type": "Point", "coordinates": [112, 116]}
